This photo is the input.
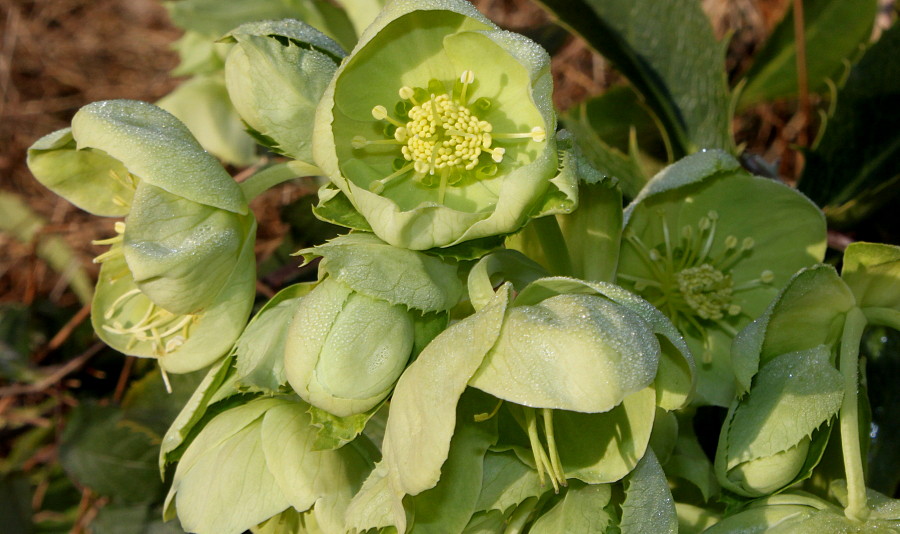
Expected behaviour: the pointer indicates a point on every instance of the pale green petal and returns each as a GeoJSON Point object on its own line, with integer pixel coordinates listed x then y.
{"type": "Point", "coordinates": [276, 88]}
{"type": "Point", "coordinates": [345, 350]}
{"type": "Point", "coordinates": [181, 253]}
{"type": "Point", "coordinates": [571, 352]}
{"type": "Point", "coordinates": [423, 407]}
{"type": "Point", "coordinates": [307, 477]}
{"type": "Point", "coordinates": [86, 178]}
{"type": "Point", "coordinates": [119, 309]}
{"type": "Point", "coordinates": [157, 148]}
{"type": "Point", "coordinates": [222, 484]}
{"type": "Point", "coordinates": [604, 447]}
{"type": "Point", "coordinates": [792, 395]}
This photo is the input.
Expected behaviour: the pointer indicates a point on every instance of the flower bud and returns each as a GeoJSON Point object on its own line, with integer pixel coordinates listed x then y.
{"type": "Point", "coordinates": [345, 349]}
{"type": "Point", "coordinates": [763, 476]}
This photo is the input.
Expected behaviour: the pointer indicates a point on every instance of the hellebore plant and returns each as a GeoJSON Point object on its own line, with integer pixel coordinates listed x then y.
{"type": "Point", "coordinates": [476, 355]}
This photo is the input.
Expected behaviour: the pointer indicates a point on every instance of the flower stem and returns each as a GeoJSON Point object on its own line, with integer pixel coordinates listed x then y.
{"type": "Point", "coordinates": [883, 316]}
{"type": "Point", "coordinates": [854, 325]}
{"type": "Point", "coordinates": [274, 175]}
{"type": "Point", "coordinates": [554, 245]}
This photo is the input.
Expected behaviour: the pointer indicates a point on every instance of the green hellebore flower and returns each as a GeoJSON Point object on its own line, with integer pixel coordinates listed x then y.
{"type": "Point", "coordinates": [180, 270]}
{"type": "Point", "coordinates": [710, 245]}
{"type": "Point", "coordinates": [351, 337]}
{"type": "Point", "coordinates": [582, 360]}
{"type": "Point", "coordinates": [439, 128]}
{"type": "Point", "coordinates": [253, 462]}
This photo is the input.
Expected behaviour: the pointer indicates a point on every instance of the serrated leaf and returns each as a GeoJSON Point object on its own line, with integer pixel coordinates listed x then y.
{"type": "Point", "coordinates": [792, 395]}
{"type": "Point", "coordinates": [855, 167]}
{"type": "Point", "coordinates": [680, 73]}
{"type": "Point", "coordinates": [834, 31]}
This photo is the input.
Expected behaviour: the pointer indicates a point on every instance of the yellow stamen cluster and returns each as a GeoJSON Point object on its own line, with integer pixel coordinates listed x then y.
{"type": "Point", "coordinates": [442, 133]}
{"type": "Point", "coordinates": [442, 137]}
{"type": "Point", "coordinates": [707, 290]}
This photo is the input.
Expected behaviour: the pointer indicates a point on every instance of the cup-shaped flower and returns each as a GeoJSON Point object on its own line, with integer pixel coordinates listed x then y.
{"type": "Point", "coordinates": [438, 128]}
{"type": "Point", "coordinates": [185, 249]}
{"type": "Point", "coordinates": [351, 337]}
{"type": "Point", "coordinates": [710, 245]}
{"type": "Point", "coordinates": [253, 462]}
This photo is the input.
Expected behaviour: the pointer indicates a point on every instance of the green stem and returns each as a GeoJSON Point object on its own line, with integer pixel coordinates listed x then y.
{"type": "Point", "coordinates": [854, 325]}
{"type": "Point", "coordinates": [554, 245]}
{"type": "Point", "coordinates": [274, 175]}
{"type": "Point", "coordinates": [520, 516]}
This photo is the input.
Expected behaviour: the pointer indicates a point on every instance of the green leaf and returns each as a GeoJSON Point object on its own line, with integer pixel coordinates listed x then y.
{"type": "Point", "coordinates": [111, 458]}
{"type": "Point", "coordinates": [681, 73]}
{"type": "Point", "coordinates": [792, 395]}
{"type": "Point", "coordinates": [582, 509]}
{"type": "Point", "coordinates": [15, 504]}
{"type": "Point", "coordinates": [202, 104]}
{"type": "Point", "coordinates": [400, 276]}
{"type": "Point", "coordinates": [648, 505]}
{"type": "Point", "coordinates": [25, 226]}
{"type": "Point", "coordinates": [214, 18]}
{"type": "Point", "coordinates": [149, 405]}
{"type": "Point", "coordinates": [808, 312]}
{"type": "Point", "coordinates": [333, 432]}
{"type": "Point", "coordinates": [834, 31]}
{"type": "Point", "coordinates": [507, 482]}
{"type": "Point", "coordinates": [854, 168]}
{"type": "Point", "coordinates": [689, 462]}
{"type": "Point", "coordinates": [259, 352]}
{"type": "Point", "coordinates": [448, 506]}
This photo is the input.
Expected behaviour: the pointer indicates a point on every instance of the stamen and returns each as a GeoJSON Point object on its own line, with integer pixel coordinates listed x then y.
{"type": "Point", "coordinates": [482, 417]}
{"type": "Point", "coordinates": [380, 113]}
{"type": "Point", "coordinates": [465, 78]}
{"type": "Point", "coordinates": [536, 134]}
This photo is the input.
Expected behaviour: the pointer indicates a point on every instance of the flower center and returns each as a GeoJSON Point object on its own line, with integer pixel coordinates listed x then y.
{"type": "Point", "coordinates": [161, 328]}
{"type": "Point", "coordinates": [443, 142]}
{"type": "Point", "coordinates": [706, 290]}
{"type": "Point", "coordinates": [691, 285]}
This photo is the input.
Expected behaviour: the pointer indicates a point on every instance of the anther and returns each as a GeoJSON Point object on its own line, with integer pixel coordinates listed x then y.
{"type": "Point", "coordinates": [767, 277]}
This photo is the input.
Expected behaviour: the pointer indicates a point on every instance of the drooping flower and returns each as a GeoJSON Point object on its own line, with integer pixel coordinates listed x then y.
{"type": "Point", "coordinates": [178, 279]}
{"type": "Point", "coordinates": [438, 129]}
{"type": "Point", "coordinates": [710, 245]}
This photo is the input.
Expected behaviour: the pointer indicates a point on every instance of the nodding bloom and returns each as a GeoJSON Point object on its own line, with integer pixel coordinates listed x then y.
{"type": "Point", "coordinates": [178, 279]}
{"type": "Point", "coordinates": [439, 128]}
